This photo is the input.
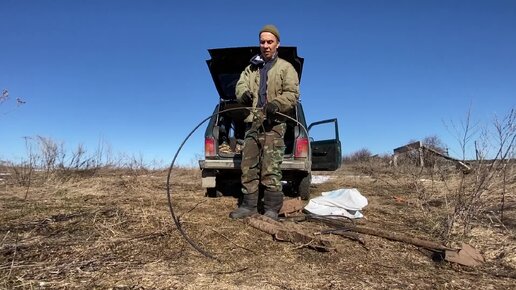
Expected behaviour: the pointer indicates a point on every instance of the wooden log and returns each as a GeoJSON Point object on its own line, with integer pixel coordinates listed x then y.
{"type": "Point", "coordinates": [281, 233]}
{"type": "Point", "coordinates": [256, 222]}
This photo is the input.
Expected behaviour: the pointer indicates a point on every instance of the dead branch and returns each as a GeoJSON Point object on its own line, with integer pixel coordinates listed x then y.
{"type": "Point", "coordinates": [229, 240]}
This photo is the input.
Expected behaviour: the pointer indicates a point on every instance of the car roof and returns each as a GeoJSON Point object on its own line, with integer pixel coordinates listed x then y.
{"type": "Point", "coordinates": [226, 64]}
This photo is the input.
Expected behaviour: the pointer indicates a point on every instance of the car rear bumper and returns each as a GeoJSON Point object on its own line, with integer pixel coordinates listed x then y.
{"type": "Point", "coordinates": [212, 168]}
{"type": "Point", "coordinates": [302, 165]}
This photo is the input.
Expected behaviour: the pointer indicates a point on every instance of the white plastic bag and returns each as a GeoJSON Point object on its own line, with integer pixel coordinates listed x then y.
{"type": "Point", "coordinates": [346, 202]}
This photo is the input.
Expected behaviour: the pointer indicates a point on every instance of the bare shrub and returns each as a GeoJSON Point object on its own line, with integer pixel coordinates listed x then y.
{"type": "Point", "coordinates": [505, 135]}
{"type": "Point", "coordinates": [452, 201]}
{"type": "Point", "coordinates": [365, 162]}
{"type": "Point", "coordinates": [136, 165]}
{"type": "Point", "coordinates": [22, 173]}
{"type": "Point", "coordinates": [50, 152]}
{"type": "Point", "coordinates": [50, 160]}
{"type": "Point", "coordinates": [469, 197]}
{"type": "Point", "coordinates": [78, 159]}
{"type": "Point", "coordinates": [463, 198]}
{"type": "Point", "coordinates": [360, 155]}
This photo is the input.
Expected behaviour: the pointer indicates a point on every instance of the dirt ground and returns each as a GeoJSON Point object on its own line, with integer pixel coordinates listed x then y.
{"type": "Point", "coordinates": [115, 231]}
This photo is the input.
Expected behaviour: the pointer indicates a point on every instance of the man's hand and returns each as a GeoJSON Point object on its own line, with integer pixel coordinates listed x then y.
{"type": "Point", "coordinates": [247, 98]}
{"type": "Point", "coordinates": [270, 109]}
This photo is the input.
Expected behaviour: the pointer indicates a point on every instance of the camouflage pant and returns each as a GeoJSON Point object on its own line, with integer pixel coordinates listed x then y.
{"type": "Point", "coordinates": [262, 155]}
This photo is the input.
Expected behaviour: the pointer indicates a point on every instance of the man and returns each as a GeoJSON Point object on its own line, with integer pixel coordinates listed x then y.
{"type": "Point", "coordinates": [269, 85]}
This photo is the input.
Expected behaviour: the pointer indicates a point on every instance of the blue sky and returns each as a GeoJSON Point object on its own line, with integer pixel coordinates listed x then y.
{"type": "Point", "coordinates": [133, 73]}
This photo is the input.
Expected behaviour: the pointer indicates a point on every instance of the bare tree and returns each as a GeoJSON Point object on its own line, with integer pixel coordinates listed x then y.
{"type": "Point", "coordinates": [434, 142]}
{"type": "Point", "coordinates": [464, 132]}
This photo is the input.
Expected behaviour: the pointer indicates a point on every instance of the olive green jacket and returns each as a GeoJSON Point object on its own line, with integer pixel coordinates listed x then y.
{"type": "Point", "coordinates": [282, 85]}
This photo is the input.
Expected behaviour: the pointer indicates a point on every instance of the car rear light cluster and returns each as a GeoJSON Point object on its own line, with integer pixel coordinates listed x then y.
{"type": "Point", "coordinates": [209, 147]}
{"type": "Point", "coordinates": [301, 148]}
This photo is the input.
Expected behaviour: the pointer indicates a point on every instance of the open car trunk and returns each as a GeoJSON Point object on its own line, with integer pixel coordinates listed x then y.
{"type": "Point", "coordinates": [226, 64]}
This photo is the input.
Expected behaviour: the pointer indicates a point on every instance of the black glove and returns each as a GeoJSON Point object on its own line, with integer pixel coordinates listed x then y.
{"type": "Point", "coordinates": [270, 109]}
{"type": "Point", "coordinates": [247, 98]}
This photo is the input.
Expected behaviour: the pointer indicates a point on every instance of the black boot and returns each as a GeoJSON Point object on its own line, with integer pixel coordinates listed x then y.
{"type": "Point", "coordinates": [272, 203]}
{"type": "Point", "coordinates": [247, 207]}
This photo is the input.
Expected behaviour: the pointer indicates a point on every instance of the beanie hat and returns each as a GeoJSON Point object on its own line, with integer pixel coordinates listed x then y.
{"type": "Point", "coordinates": [272, 29]}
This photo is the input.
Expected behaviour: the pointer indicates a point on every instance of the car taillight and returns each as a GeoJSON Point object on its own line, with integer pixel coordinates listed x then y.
{"type": "Point", "coordinates": [301, 148]}
{"type": "Point", "coordinates": [209, 147]}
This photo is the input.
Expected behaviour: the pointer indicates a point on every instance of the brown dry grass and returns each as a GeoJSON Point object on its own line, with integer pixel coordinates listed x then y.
{"type": "Point", "coordinates": [114, 231]}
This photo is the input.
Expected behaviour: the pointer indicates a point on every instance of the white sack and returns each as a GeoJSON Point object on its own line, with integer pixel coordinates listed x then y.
{"type": "Point", "coordinates": [346, 202]}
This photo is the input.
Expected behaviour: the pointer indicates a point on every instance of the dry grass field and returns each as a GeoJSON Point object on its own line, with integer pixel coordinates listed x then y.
{"type": "Point", "coordinates": [113, 230]}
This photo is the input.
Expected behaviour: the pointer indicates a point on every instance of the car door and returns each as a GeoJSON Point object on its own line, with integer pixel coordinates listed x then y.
{"type": "Point", "coordinates": [326, 153]}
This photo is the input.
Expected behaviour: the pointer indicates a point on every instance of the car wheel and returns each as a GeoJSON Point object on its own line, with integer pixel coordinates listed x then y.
{"type": "Point", "coordinates": [225, 188]}
{"type": "Point", "coordinates": [213, 192]}
{"type": "Point", "coordinates": [303, 188]}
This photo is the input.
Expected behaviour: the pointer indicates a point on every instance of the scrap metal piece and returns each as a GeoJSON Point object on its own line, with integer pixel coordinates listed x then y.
{"type": "Point", "coordinates": [466, 255]}
{"type": "Point", "coordinates": [291, 206]}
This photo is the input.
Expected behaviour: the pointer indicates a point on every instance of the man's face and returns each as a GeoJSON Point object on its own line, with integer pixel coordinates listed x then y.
{"type": "Point", "coordinates": [268, 45]}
